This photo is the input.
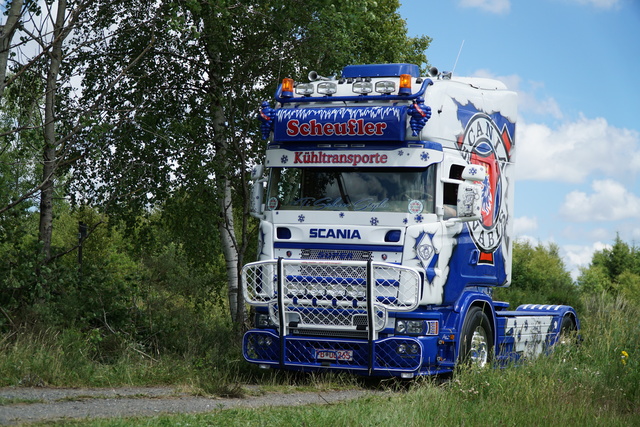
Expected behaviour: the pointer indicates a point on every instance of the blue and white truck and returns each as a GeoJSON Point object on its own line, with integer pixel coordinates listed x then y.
{"type": "Point", "coordinates": [385, 226]}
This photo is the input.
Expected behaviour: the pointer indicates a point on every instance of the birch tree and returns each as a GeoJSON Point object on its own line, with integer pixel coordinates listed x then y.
{"type": "Point", "coordinates": [14, 12]}
{"type": "Point", "coordinates": [54, 38]}
{"type": "Point", "coordinates": [251, 43]}
{"type": "Point", "coordinates": [183, 124]}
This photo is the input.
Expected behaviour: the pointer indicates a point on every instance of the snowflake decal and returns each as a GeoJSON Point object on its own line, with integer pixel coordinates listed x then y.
{"type": "Point", "coordinates": [419, 218]}
{"type": "Point", "coordinates": [405, 221]}
{"type": "Point", "coordinates": [401, 153]}
{"type": "Point", "coordinates": [424, 156]}
{"type": "Point", "coordinates": [374, 221]}
{"type": "Point", "coordinates": [300, 218]}
{"type": "Point", "coordinates": [284, 159]}
{"type": "Point", "coordinates": [341, 214]}
{"type": "Point", "coordinates": [473, 171]}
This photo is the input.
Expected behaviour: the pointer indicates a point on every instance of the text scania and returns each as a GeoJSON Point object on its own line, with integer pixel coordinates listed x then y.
{"type": "Point", "coordinates": [329, 233]}
{"type": "Point", "coordinates": [328, 158]}
{"type": "Point", "coordinates": [352, 127]}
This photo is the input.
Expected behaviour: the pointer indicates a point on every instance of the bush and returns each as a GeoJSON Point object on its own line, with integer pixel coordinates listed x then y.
{"type": "Point", "coordinates": [539, 277]}
{"type": "Point", "coordinates": [614, 270]}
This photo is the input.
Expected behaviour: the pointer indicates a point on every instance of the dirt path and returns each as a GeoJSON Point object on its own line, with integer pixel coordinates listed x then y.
{"type": "Point", "coordinates": [29, 405]}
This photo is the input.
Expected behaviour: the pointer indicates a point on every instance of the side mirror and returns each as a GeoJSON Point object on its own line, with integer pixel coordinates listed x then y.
{"type": "Point", "coordinates": [470, 193]}
{"type": "Point", "coordinates": [257, 192]}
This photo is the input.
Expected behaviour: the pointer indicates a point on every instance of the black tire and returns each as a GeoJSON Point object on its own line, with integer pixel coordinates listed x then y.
{"type": "Point", "coordinates": [568, 328]}
{"type": "Point", "coordinates": [476, 341]}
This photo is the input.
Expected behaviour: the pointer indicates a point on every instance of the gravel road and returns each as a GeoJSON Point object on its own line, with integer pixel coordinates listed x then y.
{"type": "Point", "coordinates": [22, 405]}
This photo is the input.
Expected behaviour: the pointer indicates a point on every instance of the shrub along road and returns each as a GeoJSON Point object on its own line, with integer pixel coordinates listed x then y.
{"type": "Point", "coordinates": [27, 405]}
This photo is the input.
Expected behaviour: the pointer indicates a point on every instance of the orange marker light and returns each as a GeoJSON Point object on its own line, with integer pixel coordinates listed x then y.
{"type": "Point", "coordinates": [287, 87]}
{"type": "Point", "coordinates": [405, 84]}
{"type": "Point", "coordinates": [405, 80]}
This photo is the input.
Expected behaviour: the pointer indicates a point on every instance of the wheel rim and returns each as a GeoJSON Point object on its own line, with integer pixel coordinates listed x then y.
{"type": "Point", "coordinates": [478, 353]}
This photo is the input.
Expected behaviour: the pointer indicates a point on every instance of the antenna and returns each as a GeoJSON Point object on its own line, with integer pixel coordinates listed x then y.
{"type": "Point", "coordinates": [457, 57]}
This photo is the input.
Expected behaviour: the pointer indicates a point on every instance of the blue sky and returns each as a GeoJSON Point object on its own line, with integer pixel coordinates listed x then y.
{"type": "Point", "coordinates": [576, 67]}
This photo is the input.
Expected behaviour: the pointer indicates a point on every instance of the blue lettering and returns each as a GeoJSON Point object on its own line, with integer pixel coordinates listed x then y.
{"type": "Point", "coordinates": [323, 233]}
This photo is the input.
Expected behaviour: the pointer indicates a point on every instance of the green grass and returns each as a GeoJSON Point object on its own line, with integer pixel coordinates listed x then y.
{"type": "Point", "coordinates": [589, 383]}
{"type": "Point", "coordinates": [63, 359]}
{"type": "Point", "coordinates": [523, 396]}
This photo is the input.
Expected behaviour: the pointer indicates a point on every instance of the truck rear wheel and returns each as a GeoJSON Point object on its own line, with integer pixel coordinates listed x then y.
{"type": "Point", "coordinates": [476, 346]}
{"type": "Point", "coordinates": [568, 329]}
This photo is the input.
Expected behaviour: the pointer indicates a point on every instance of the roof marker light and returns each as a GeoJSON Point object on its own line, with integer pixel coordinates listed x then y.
{"type": "Point", "coordinates": [287, 88]}
{"type": "Point", "coordinates": [405, 84]}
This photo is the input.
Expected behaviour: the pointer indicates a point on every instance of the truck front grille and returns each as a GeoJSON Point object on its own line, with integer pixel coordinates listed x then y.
{"type": "Point", "coordinates": [336, 254]}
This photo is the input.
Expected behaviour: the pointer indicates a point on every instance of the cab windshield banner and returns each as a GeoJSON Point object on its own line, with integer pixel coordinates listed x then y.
{"type": "Point", "coordinates": [340, 124]}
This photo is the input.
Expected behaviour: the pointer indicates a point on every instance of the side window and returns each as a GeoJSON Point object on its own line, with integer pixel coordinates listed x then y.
{"type": "Point", "coordinates": [450, 196]}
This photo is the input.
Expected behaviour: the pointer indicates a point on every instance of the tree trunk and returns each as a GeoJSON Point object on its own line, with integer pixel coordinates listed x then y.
{"type": "Point", "coordinates": [229, 248]}
{"type": "Point", "coordinates": [49, 151]}
{"type": "Point", "coordinates": [6, 35]}
{"type": "Point", "coordinates": [227, 224]}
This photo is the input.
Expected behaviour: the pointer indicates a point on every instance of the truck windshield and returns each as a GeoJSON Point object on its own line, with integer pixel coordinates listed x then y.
{"type": "Point", "coordinates": [353, 189]}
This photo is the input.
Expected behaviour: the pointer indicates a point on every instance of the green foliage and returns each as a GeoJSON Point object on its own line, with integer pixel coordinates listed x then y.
{"type": "Point", "coordinates": [539, 277]}
{"type": "Point", "coordinates": [181, 132]}
{"type": "Point", "coordinates": [585, 384]}
{"type": "Point", "coordinates": [614, 270]}
{"type": "Point", "coordinates": [19, 144]}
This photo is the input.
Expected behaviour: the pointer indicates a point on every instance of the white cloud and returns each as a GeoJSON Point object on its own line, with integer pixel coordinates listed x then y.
{"type": "Point", "coordinates": [575, 150]}
{"type": "Point", "coordinates": [576, 256]}
{"type": "Point", "coordinates": [533, 241]}
{"type": "Point", "coordinates": [610, 201]}
{"type": "Point", "coordinates": [492, 6]}
{"type": "Point", "coordinates": [575, 231]}
{"type": "Point", "coordinates": [524, 224]}
{"type": "Point", "coordinates": [529, 102]}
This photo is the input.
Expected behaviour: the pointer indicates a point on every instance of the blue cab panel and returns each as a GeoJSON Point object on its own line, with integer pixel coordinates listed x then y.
{"type": "Point", "coordinates": [380, 70]}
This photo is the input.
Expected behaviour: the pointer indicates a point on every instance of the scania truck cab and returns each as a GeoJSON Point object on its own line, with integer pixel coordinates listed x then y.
{"type": "Point", "coordinates": [386, 214]}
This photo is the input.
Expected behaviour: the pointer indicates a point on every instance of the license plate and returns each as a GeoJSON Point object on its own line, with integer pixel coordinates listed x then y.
{"type": "Point", "coordinates": [345, 355]}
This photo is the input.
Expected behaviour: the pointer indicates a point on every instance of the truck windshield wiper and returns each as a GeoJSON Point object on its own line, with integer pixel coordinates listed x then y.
{"type": "Point", "coordinates": [342, 188]}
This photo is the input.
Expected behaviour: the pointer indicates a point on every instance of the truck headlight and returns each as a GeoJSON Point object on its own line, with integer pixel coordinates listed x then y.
{"type": "Point", "coordinates": [410, 327]}
{"type": "Point", "coordinates": [412, 349]}
{"type": "Point", "coordinates": [263, 321]}
{"type": "Point", "coordinates": [416, 327]}
{"type": "Point", "coordinates": [297, 289]}
{"type": "Point", "coordinates": [401, 327]}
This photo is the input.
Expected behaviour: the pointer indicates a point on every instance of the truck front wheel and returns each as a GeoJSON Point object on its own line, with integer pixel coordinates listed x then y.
{"type": "Point", "coordinates": [476, 346]}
